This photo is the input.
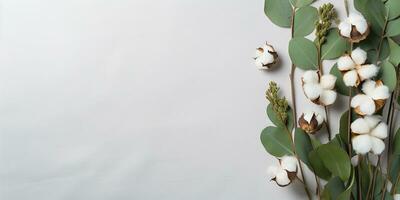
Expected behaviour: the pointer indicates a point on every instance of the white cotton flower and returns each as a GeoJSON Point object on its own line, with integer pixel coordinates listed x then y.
{"type": "Point", "coordinates": [265, 57]}
{"type": "Point", "coordinates": [368, 134]}
{"type": "Point", "coordinates": [355, 160]}
{"type": "Point", "coordinates": [373, 98]}
{"type": "Point", "coordinates": [355, 28]}
{"type": "Point", "coordinates": [319, 90]}
{"type": "Point", "coordinates": [285, 172]}
{"type": "Point", "coordinates": [354, 68]}
{"type": "Point", "coordinates": [311, 122]}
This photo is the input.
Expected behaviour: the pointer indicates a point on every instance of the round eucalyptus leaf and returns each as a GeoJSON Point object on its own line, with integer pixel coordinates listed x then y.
{"type": "Point", "coordinates": [385, 52]}
{"type": "Point", "coordinates": [304, 21]}
{"type": "Point", "coordinates": [279, 12]}
{"type": "Point", "coordinates": [394, 8]}
{"type": "Point", "coordinates": [340, 87]}
{"type": "Point", "coordinates": [374, 11]}
{"type": "Point", "coordinates": [396, 145]}
{"type": "Point", "coordinates": [303, 53]}
{"type": "Point", "coordinates": [393, 28]}
{"type": "Point", "coordinates": [335, 187]}
{"type": "Point", "coordinates": [318, 166]}
{"type": "Point", "coordinates": [394, 52]}
{"type": "Point", "coordinates": [346, 194]}
{"type": "Point", "coordinates": [387, 74]}
{"type": "Point", "coordinates": [300, 3]}
{"type": "Point", "coordinates": [335, 45]}
{"type": "Point", "coordinates": [335, 160]}
{"type": "Point", "coordinates": [276, 141]}
{"type": "Point", "coordinates": [303, 146]}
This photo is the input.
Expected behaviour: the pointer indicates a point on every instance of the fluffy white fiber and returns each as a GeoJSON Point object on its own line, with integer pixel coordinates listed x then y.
{"type": "Point", "coordinates": [359, 56]}
{"type": "Point", "coordinates": [354, 19]}
{"type": "Point", "coordinates": [289, 163]}
{"type": "Point", "coordinates": [345, 63]}
{"type": "Point", "coordinates": [372, 92]}
{"type": "Point", "coordinates": [370, 133]}
{"type": "Point", "coordinates": [319, 88]}
{"type": "Point", "coordinates": [310, 114]}
{"type": "Point", "coordinates": [280, 172]}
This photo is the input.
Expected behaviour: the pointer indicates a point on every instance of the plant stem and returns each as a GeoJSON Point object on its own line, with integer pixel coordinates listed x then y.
{"type": "Point", "coordinates": [292, 71]}
{"type": "Point", "coordinates": [378, 54]}
{"type": "Point", "coordinates": [349, 144]}
{"type": "Point", "coordinates": [346, 6]}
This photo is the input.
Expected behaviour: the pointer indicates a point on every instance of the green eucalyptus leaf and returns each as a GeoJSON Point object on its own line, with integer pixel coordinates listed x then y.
{"type": "Point", "coordinates": [303, 53]}
{"type": "Point", "coordinates": [387, 74]}
{"type": "Point", "coordinates": [393, 28]}
{"type": "Point", "coordinates": [346, 194]}
{"type": "Point", "coordinates": [396, 144]}
{"type": "Point", "coordinates": [394, 8]}
{"type": "Point", "coordinates": [335, 160]}
{"type": "Point", "coordinates": [394, 52]}
{"type": "Point", "coordinates": [375, 13]}
{"type": "Point", "coordinates": [303, 146]}
{"type": "Point", "coordinates": [304, 21]}
{"type": "Point", "coordinates": [318, 166]}
{"type": "Point", "coordinates": [301, 3]}
{"type": "Point", "coordinates": [385, 52]}
{"type": "Point", "coordinates": [279, 12]}
{"type": "Point", "coordinates": [275, 120]}
{"type": "Point", "coordinates": [335, 187]}
{"type": "Point", "coordinates": [335, 45]}
{"type": "Point", "coordinates": [395, 169]}
{"type": "Point", "coordinates": [361, 5]}
{"type": "Point", "coordinates": [276, 141]}
{"type": "Point", "coordinates": [341, 88]}
{"type": "Point", "coordinates": [344, 125]}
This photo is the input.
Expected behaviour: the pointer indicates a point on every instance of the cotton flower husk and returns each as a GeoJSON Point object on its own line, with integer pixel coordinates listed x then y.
{"type": "Point", "coordinates": [311, 122]}
{"type": "Point", "coordinates": [355, 28]}
{"type": "Point", "coordinates": [285, 172]}
{"type": "Point", "coordinates": [265, 57]}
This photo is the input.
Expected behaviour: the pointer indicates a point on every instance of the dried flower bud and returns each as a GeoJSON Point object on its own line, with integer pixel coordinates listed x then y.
{"type": "Point", "coordinates": [354, 68]}
{"type": "Point", "coordinates": [285, 172]}
{"type": "Point", "coordinates": [266, 57]}
{"type": "Point", "coordinates": [311, 122]}
{"type": "Point", "coordinates": [355, 28]}
{"type": "Point", "coordinates": [373, 99]}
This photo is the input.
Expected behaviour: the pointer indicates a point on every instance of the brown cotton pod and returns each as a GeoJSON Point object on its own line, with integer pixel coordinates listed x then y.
{"type": "Point", "coordinates": [309, 127]}
{"type": "Point", "coordinates": [356, 36]}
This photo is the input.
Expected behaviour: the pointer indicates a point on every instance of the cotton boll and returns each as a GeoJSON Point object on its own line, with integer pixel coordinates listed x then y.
{"type": "Point", "coordinates": [381, 92]}
{"type": "Point", "coordinates": [368, 87]}
{"type": "Point", "coordinates": [367, 71]}
{"type": "Point", "coordinates": [345, 63]}
{"type": "Point", "coordinates": [358, 100]}
{"type": "Point", "coordinates": [359, 56]}
{"type": "Point", "coordinates": [269, 48]}
{"type": "Point", "coordinates": [273, 170]}
{"type": "Point", "coordinates": [362, 144]}
{"type": "Point", "coordinates": [310, 76]}
{"type": "Point", "coordinates": [289, 163]}
{"type": "Point", "coordinates": [368, 107]}
{"type": "Point", "coordinates": [282, 178]}
{"type": "Point", "coordinates": [372, 120]}
{"type": "Point", "coordinates": [350, 78]}
{"type": "Point", "coordinates": [355, 160]}
{"type": "Point", "coordinates": [345, 28]}
{"type": "Point", "coordinates": [312, 91]}
{"type": "Point", "coordinates": [308, 116]}
{"type": "Point", "coordinates": [360, 126]}
{"type": "Point", "coordinates": [328, 97]}
{"type": "Point", "coordinates": [377, 145]}
{"type": "Point", "coordinates": [380, 131]}
{"type": "Point", "coordinates": [328, 81]}
{"type": "Point", "coordinates": [320, 119]}
{"type": "Point", "coordinates": [359, 22]}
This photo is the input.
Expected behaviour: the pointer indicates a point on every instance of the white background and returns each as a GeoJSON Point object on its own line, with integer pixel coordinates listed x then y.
{"type": "Point", "coordinates": [138, 100]}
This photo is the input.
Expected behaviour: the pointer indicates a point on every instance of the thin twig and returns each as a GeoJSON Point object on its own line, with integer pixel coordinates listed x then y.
{"type": "Point", "coordinates": [346, 6]}
{"type": "Point", "coordinates": [292, 71]}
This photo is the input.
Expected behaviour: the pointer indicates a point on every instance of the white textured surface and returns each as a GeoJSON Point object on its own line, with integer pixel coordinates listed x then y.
{"type": "Point", "coordinates": [137, 99]}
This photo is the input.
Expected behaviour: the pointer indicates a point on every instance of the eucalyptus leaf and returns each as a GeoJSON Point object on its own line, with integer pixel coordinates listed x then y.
{"type": "Point", "coordinates": [304, 21]}
{"type": "Point", "coordinates": [341, 88]}
{"type": "Point", "coordinates": [335, 45]}
{"type": "Point", "coordinates": [375, 12]}
{"type": "Point", "coordinates": [335, 160]}
{"type": "Point", "coordinates": [346, 194]}
{"type": "Point", "coordinates": [318, 166]}
{"type": "Point", "coordinates": [303, 53]}
{"type": "Point", "coordinates": [335, 187]}
{"type": "Point", "coordinates": [394, 52]}
{"type": "Point", "coordinates": [303, 146]}
{"type": "Point", "coordinates": [394, 8]}
{"type": "Point", "coordinates": [301, 3]}
{"type": "Point", "coordinates": [395, 169]}
{"type": "Point", "coordinates": [344, 126]}
{"type": "Point", "coordinates": [279, 12]}
{"type": "Point", "coordinates": [387, 74]}
{"type": "Point", "coordinates": [393, 28]}
{"type": "Point", "coordinates": [396, 145]}
{"type": "Point", "coordinates": [276, 141]}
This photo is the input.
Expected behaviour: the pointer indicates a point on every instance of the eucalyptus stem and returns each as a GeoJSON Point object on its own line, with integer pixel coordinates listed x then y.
{"type": "Point", "coordinates": [346, 6]}
{"type": "Point", "coordinates": [349, 144]}
{"type": "Point", "coordinates": [291, 76]}
{"type": "Point", "coordinates": [378, 53]}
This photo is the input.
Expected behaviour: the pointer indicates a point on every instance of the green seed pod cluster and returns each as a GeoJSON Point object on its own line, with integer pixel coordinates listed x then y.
{"type": "Point", "coordinates": [326, 14]}
{"type": "Point", "coordinates": [279, 105]}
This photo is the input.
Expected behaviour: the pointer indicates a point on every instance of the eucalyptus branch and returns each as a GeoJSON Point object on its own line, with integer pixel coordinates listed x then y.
{"type": "Point", "coordinates": [291, 76]}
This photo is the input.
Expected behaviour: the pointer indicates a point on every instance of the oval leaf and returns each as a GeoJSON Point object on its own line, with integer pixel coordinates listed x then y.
{"type": "Point", "coordinates": [393, 28]}
{"type": "Point", "coordinates": [274, 119]}
{"type": "Point", "coordinates": [394, 52]}
{"type": "Point", "coordinates": [334, 46]}
{"type": "Point", "coordinates": [394, 8]}
{"type": "Point", "coordinates": [318, 166]}
{"type": "Point", "coordinates": [300, 3]}
{"type": "Point", "coordinates": [303, 146]}
{"type": "Point", "coordinates": [276, 141]}
{"type": "Point", "coordinates": [387, 74]}
{"type": "Point", "coordinates": [335, 160]}
{"type": "Point", "coordinates": [375, 13]}
{"type": "Point", "coordinates": [279, 12]}
{"type": "Point", "coordinates": [304, 21]}
{"type": "Point", "coordinates": [397, 143]}
{"type": "Point", "coordinates": [303, 53]}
